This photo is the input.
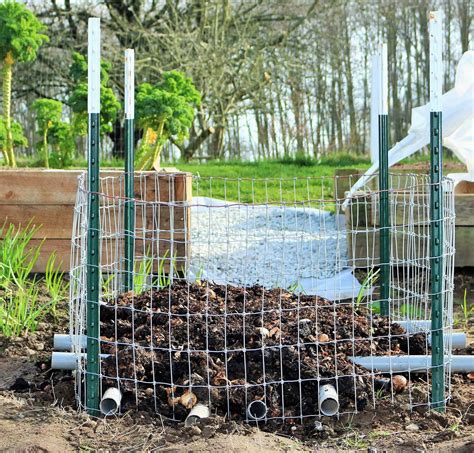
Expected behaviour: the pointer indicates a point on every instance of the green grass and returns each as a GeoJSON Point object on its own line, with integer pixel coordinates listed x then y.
{"type": "Point", "coordinates": [267, 181]}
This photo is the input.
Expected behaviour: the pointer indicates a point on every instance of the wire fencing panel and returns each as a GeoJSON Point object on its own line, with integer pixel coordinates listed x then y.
{"type": "Point", "coordinates": [247, 293]}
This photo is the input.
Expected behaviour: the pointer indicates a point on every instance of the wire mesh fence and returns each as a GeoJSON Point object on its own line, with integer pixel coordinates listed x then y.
{"type": "Point", "coordinates": [245, 297]}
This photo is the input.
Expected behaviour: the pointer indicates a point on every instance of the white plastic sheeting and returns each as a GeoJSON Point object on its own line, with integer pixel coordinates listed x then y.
{"type": "Point", "coordinates": [458, 125]}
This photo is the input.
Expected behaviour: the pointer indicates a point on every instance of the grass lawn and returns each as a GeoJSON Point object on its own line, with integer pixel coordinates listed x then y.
{"type": "Point", "coordinates": [268, 181]}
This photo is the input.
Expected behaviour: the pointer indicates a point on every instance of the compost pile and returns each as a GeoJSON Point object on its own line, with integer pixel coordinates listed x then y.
{"type": "Point", "coordinates": [201, 342]}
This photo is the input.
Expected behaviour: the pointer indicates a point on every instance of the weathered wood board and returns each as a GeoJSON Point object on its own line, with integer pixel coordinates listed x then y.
{"type": "Point", "coordinates": [47, 198]}
{"type": "Point", "coordinates": [363, 214]}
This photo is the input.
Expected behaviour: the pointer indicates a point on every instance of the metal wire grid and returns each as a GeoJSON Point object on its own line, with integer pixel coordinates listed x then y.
{"type": "Point", "coordinates": [275, 233]}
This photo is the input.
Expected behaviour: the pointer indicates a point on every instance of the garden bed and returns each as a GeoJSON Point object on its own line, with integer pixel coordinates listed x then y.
{"type": "Point", "coordinates": [46, 198]}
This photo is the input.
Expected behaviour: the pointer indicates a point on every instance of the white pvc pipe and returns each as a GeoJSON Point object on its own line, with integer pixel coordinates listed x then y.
{"type": "Point", "coordinates": [328, 400]}
{"type": "Point", "coordinates": [458, 339]}
{"type": "Point", "coordinates": [63, 342]}
{"type": "Point", "coordinates": [413, 363]}
{"type": "Point", "coordinates": [257, 410]}
{"type": "Point", "coordinates": [414, 326]}
{"type": "Point", "coordinates": [68, 360]}
{"type": "Point", "coordinates": [110, 402]}
{"type": "Point", "coordinates": [197, 412]}
{"type": "Point", "coordinates": [64, 360]}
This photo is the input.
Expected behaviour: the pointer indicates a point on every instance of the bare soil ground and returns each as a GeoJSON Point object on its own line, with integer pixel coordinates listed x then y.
{"type": "Point", "coordinates": [37, 414]}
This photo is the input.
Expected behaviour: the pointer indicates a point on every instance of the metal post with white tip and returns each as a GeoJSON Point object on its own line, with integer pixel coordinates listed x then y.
{"type": "Point", "coordinates": [129, 208]}
{"type": "Point", "coordinates": [436, 211]}
{"type": "Point", "coordinates": [384, 202]}
{"type": "Point", "coordinates": [93, 230]}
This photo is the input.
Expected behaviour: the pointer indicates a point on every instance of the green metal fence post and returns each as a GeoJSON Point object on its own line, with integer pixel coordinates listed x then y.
{"type": "Point", "coordinates": [93, 231]}
{"type": "Point", "coordinates": [436, 213]}
{"type": "Point", "coordinates": [384, 209]}
{"type": "Point", "coordinates": [129, 212]}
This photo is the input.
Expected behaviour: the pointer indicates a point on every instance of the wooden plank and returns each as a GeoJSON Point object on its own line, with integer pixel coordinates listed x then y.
{"type": "Point", "coordinates": [33, 187]}
{"type": "Point", "coordinates": [464, 207]}
{"type": "Point", "coordinates": [344, 179]}
{"type": "Point", "coordinates": [363, 246]}
{"type": "Point", "coordinates": [112, 252]}
{"type": "Point", "coordinates": [406, 246]}
{"type": "Point", "coordinates": [405, 208]}
{"type": "Point", "coordinates": [24, 201]}
{"type": "Point", "coordinates": [464, 238]}
{"type": "Point", "coordinates": [464, 187]}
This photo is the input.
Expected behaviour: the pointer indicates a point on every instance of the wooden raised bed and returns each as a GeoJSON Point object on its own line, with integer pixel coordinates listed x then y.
{"type": "Point", "coordinates": [364, 247]}
{"type": "Point", "coordinates": [47, 198]}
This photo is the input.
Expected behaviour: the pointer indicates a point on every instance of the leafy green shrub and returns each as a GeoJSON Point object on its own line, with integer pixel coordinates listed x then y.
{"type": "Point", "coordinates": [48, 113]}
{"type": "Point", "coordinates": [21, 35]}
{"type": "Point", "coordinates": [300, 159]}
{"type": "Point", "coordinates": [61, 137]}
{"type": "Point", "coordinates": [18, 138]}
{"type": "Point", "coordinates": [109, 104]}
{"type": "Point", "coordinates": [164, 111]}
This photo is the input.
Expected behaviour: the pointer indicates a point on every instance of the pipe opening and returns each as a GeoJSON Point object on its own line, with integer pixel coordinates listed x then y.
{"type": "Point", "coordinates": [329, 407]}
{"type": "Point", "coordinates": [198, 412]}
{"type": "Point", "coordinates": [328, 400]}
{"type": "Point", "coordinates": [108, 406]}
{"type": "Point", "coordinates": [257, 410]}
{"type": "Point", "coordinates": [110, 402]}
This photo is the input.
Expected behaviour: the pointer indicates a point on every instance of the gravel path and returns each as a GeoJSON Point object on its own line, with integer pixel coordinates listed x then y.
{"type": "Point", "coordinates": [274, 246]}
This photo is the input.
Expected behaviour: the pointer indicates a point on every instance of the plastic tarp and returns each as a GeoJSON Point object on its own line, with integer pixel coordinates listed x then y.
{"type": "Point", "coordinates": [458, 126]}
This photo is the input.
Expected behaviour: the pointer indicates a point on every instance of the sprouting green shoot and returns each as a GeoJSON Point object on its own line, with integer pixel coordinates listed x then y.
{"type": "Point", "coordinates": [17, 255]}
{"type": "Point", "coordinates": [54, 281]}
{"type": "Point", "coordinates": [370, 280]}
{"type": "Point", "coordinates": [199, 274]}
{"type": "Point", "coordinates": [296, 287]}
{"type": "Point", "coordinates": [142, 274]}
{"type": "Point", "coordinates": [410, 311]}
{"type": "Point", "coordinates": [464, 305]}
{"type": "Point", "coordinates": [107, 284]}
{"type": "Point", "coordinates": [20, 307]}
{"type": "Point", "coordinates": [163, 280]}
{"type": "Point", "coordinates": [21, 310]}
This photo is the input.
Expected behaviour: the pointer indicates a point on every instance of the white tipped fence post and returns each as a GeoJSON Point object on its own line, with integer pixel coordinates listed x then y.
{"type": "Point", "coordinates": [129, 208]}
{"type": "Point", "coordinates": [374, 109]}
{"type": "Point", "coordinates": [436, 213]}
{"type": "Point", "coordinates": [93, 228]}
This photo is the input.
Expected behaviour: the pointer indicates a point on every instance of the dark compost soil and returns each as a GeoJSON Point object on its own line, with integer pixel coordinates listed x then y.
{"type": "Point", "coordinates": [227, 346]}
